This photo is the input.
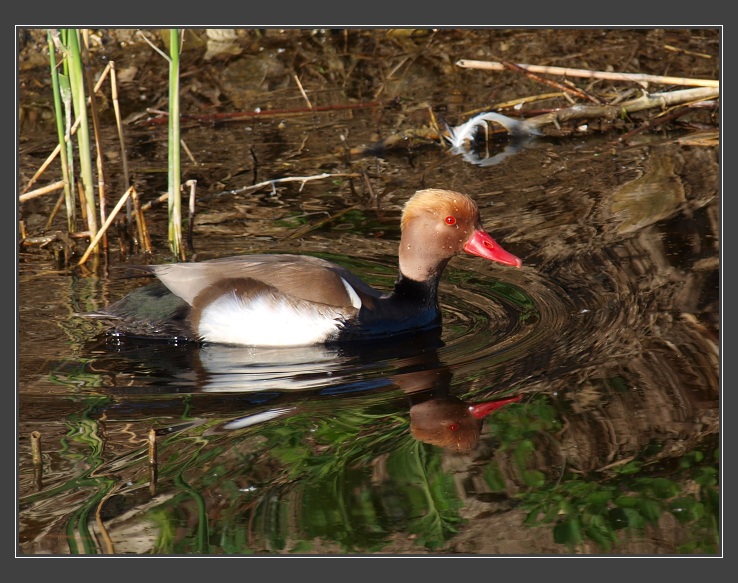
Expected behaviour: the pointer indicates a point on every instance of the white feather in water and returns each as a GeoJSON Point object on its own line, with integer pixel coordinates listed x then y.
{"type": "Point", "coordinates": [461, 137]}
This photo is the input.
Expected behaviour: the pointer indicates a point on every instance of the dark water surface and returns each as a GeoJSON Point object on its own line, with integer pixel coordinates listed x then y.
{"type": "Point", "coordinates": [608, 334]}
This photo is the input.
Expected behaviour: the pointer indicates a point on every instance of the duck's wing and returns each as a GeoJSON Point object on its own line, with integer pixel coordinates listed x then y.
{"type": "Point", "coordinates": [304, 277]}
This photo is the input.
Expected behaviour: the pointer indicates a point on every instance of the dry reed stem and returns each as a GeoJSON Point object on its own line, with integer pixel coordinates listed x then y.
{"type": "Point", "coordinates": [98, 151]}
{"type": "Point", "coordinates": [36, 447]}
{"type": "Point", "coordinates": [152, 447]}
{"type": "Point", "coordinates": [143, 231]}
{"type": "Point", "coordinates": [41, 191]}
{"type": "Point", "coordinates": [105, 226]}
{"type": "Point", "coordinates": [119, 127]}
{"type": "Point", "coordinates": [637, 77]}
{"type": "Point", "coordinates": [302, 91]}
{"type": "Point", "coordinates": [54, 211]}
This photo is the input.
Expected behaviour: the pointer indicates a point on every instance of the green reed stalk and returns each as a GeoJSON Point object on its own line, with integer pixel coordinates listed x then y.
{"type": "Point", "coordinates": [65, 144]}
{"type": "Point", "coordinates": [73, 66]}
{"type": "Point", "coordinates": [175, 195]}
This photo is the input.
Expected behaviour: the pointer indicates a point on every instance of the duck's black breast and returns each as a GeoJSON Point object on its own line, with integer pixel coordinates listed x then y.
{"type": "Point", "coordinates": [412, 306]}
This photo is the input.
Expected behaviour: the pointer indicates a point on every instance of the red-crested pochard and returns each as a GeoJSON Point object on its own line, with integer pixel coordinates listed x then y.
{"type": "Point", "coordinates": [292, 300]}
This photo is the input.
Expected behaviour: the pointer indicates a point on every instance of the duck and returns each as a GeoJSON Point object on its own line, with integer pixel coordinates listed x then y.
{"type": "Point", "coordinates": [283, 299]}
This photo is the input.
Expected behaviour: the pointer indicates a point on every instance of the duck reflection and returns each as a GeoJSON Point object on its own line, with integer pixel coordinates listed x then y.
{"type": "Point", "coordinates": [437, 417]}
{"type": "Point", "coordinates": [278, 382]}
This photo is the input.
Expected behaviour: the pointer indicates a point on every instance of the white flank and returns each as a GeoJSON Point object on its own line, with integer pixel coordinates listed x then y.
{"type": "Point", "coordinates": [267, 321]}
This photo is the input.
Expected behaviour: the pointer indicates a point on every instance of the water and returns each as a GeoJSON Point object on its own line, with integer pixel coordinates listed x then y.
{"type": "Point", "coordinates": [608, 335]}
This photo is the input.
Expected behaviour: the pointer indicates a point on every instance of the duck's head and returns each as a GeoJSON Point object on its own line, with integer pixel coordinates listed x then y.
{"type": "Point", "coordinates": [438, 224]}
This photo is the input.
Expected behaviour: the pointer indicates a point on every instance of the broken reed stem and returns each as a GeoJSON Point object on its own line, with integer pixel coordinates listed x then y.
{"type": "Point", "coordinates": [669, 99]}
{"type": "Point", "coordinates": [55, 210]}
{"type": "Point", "coordinates": [41, 191]}
{"type": "Point", "coordinates": [637, 77]}
{"type": "Point", "coordinates": [104, 228]}
{"type": "Point", "coordinates": [143, 233]}
{"type": "Point", "coordinates": [45, 165]}
{"type": "Point", "coordinates": [36, 447]}
{"type": "Point", "coordinates": [152, 447]}
{"type": "Point", "coordinates": [569, 89]}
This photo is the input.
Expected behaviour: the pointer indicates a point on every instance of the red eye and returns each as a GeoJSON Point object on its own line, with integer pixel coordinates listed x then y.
{"type": "Point", "coordinates": [453, 427]}
{"type": "Point", "coordinates": [450, 220]}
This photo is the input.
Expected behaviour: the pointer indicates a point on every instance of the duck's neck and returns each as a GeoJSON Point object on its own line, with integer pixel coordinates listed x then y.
{"type": "Point", "coordinates": [419, 260]}
{"type": "Point", "coordinates": [413, 295]}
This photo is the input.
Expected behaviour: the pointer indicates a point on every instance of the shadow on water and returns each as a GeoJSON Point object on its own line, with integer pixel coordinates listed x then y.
{"type": "Point", "coordinates": [570, 406]}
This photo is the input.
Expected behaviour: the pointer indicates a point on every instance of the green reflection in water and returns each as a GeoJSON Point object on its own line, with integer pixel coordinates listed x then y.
{"type": "Point", "coordinates": [347, 482]}
{"type": "Point", "coordinates": [594, 506]}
